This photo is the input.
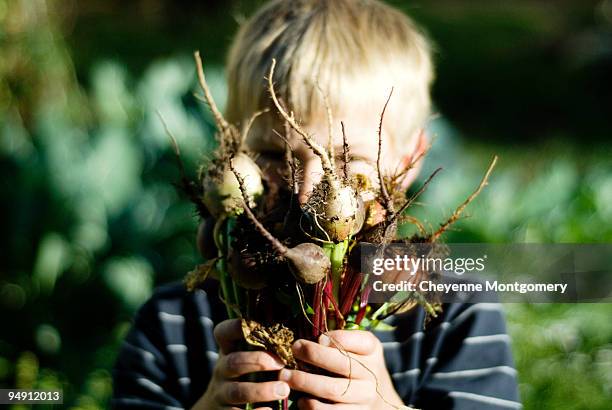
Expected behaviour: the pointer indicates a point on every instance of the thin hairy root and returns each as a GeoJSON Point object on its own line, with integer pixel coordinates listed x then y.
{"type": "Point", "coordinates": [293, 169]}
{"type": "Point", "coordinates": [291, 163]}
{"type": "Point", "coordinates": [387, 202]}
{"type": "Point", "coordinates": [399, 175]}
{"type": "Point", "coordinates": [249, 124]}
{"type": "Point", "coordinates": [175, 147]}
{"type": "Point", "coordinates": [330, 126]}
{"type": "Point", "coordinates": [187, 185]}
{"type": "Point", "coordinates": [310, 236]}
{"type": "Point", "coordinates": [345, 154]}
{"type": "Point", "coordinates": [457, 214]}
{"type": "Point", "coordinates": [221, 122]}
{"type": "Point", "coordinates": [391, 224]}
{"type": "Point", "coordinates": [292, 178]}
{"type": "Point", "coordinates": [278, 246]}
{"type": "Point", "coordinates": [313, 145]}
{"type": "Point", "coordinates": [411, 200]}
{"type": "Point", "coordinates": [318, 224]}
{"type": "Point", "coordinates": [415, 222]}
{"type": "Point", "coordinates": [343, 351]}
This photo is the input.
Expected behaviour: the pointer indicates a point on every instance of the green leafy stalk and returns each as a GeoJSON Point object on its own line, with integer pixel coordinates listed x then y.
{"type": "Point", "coordinates": [228, 287]}
{"type": "Point", "coordinates": [336, 253]}
{"type": "Point", "coordinates": [230, 290]}
{"type": "Point", "coordinates": [381, 311]}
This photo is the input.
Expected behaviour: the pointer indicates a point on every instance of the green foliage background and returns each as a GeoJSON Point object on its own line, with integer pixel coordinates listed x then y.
{"type": "Point", "coordinates": [92, 223]}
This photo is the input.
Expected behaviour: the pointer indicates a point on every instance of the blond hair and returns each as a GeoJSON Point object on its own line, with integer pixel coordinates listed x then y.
{"type": "Point", "coordinates": [354, 50]}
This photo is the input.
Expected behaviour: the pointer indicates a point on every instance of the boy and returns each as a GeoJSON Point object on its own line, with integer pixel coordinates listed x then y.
{"type": "Point", "coordinates": [181, 353]}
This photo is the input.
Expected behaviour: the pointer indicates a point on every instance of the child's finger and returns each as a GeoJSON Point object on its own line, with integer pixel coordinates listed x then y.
{"type": "Point", "coordinates": [237, 364]}
{"type": "Point", "coordinates": [360, 342]}
{"type": "Point", "coordinates": [329, 358]}
{"type": "Point", "coordinates": [246, 392]}
{"type": "Point", "coordinates": [337, 390]}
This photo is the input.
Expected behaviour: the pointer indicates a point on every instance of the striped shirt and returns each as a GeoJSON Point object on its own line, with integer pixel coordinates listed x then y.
{"type": "Point", "coordinates": [459, 360]}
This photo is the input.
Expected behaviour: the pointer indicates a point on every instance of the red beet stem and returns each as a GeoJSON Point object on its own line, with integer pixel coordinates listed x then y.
{"type": "Point", "coordinates": [317, 307]}
{"type": "Point", "coordinates": [329, 299]}
{"type": "Point", "coordinates": [363, 304]}
{"type": "Point", "coordinates": [348, 291]}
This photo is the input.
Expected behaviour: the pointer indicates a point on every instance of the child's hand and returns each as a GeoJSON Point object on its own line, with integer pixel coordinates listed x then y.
{"type": "Point", "coordinates": [224, 391]}
{"type": "Point", "coordinates": [365, 370]}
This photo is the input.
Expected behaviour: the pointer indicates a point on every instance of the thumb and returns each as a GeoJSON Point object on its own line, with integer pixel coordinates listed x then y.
{"type": "Point", "coordinates": [228, 334]}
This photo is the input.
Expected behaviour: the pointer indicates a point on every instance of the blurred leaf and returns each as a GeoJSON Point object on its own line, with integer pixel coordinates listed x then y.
{"type": "Point", "coordinates": [130, 279]}
{"type": "Point", "coordinates": [53, 257]}
{"type": "Point", "coordinates": [48, 339]}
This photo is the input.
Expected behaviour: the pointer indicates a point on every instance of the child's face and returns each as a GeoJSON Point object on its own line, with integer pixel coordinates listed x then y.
{"type": "Point", "coordinates": [362, 138]}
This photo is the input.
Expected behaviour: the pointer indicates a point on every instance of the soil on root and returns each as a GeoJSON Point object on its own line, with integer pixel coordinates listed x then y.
{"type": "Point", "coordinates": [275, 338]}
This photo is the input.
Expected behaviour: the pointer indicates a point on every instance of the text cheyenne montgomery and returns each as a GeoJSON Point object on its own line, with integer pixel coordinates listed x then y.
{"type": "Point", "coordinates": [488, 286]}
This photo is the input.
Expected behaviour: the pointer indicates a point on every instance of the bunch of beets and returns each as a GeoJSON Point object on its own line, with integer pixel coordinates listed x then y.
{"type": "Point", "coordinates": [292, 270]}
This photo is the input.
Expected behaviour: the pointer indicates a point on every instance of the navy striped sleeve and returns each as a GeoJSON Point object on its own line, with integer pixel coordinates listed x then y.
{"type": "Point", "coordinates": [464, 361]}
{"type": "Point", "coordinates": [168, 355]}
